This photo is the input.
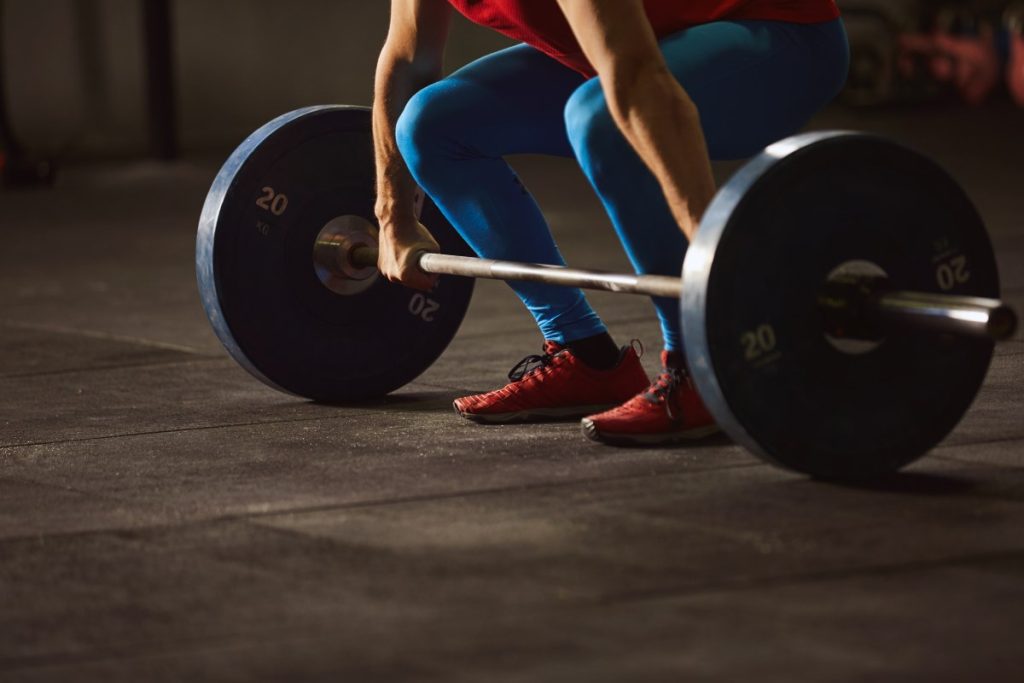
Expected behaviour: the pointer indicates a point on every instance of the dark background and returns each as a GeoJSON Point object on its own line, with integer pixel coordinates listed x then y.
{"type": "Point", "coordinates": [76, 73]}
{"type": "Point", "coordinates": [164, 516]}
{"type": "Point", "coordinates": [75, 70]}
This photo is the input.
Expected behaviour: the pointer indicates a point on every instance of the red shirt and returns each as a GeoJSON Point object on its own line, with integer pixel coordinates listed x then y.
{"type": "Point", "coordinates": [540, 23]}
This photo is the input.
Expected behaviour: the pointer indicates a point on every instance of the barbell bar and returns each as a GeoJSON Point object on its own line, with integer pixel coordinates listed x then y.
{"type": "Point", "coordinates": [839, 311]}
{"type": "Point", "coordinates": [939, 313]}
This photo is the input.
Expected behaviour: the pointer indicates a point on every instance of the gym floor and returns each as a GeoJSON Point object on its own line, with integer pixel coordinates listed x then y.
{"type": "Point", "coordinates": [164, 516]}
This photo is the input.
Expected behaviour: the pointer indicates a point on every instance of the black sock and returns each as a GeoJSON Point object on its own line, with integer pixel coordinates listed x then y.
{"type": "Point", "coordinates": [675, 360]}
{"type": "Point", "coordinates": [599, 351]}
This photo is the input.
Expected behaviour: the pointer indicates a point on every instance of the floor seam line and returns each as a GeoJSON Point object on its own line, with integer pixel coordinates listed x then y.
{"type": "Point", "coordinates": [826, 575]}
{"type": "Point", "coordinates": [103, 368]}
{"type": "Point", "coordinates": [253, 517]}
{"type": "Point", "coordinates": [96, 334]}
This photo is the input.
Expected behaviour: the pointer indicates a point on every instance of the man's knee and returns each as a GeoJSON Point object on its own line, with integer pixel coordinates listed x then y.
{"type": "Point", "coordinates": [421, 126]}
{"type": "Point", "coordinates": [595, 137]}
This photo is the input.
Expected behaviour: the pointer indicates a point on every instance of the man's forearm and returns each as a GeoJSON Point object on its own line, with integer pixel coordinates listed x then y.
{"type": "Point", "coordinates": [651, 109]}
{"type": "Point", "coordinates": [397, 80]}
{"type": "Point", "coordinates": [662, 124]}
{"type": "Point", "coordinates": [411, 58]}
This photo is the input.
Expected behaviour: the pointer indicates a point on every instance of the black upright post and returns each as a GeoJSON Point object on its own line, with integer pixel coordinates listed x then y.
{"type": "Point", "coordinates": [161, 100]}
{"type": "Point", "coordinates": [16, 169]}
{"type": "Point", "coordinates": [8, 142]}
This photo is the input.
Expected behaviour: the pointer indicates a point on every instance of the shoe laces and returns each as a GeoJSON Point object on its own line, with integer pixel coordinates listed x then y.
{"type": "Point", "coordinates": [533, 363]}
{"type": "Point", "coordinates": [664, 387]}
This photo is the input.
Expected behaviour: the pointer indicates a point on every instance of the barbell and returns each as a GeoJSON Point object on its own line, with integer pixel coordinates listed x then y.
{"type": "Point", "coordinates": [839, 302]}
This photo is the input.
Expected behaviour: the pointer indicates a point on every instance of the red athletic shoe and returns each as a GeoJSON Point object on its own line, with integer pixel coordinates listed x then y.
{"type": "Point", "coordinates": [555, 385]}
{"type": "Point", "coordinates": [669, 411]}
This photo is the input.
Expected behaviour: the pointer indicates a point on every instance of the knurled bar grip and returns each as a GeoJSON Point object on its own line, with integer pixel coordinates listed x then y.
{"type": "Point", "coordinates": [963, 315]}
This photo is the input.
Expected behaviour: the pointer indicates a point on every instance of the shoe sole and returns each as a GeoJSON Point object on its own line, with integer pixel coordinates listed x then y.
{"type": "Point", "coordinates": [591, 431]}
{"type": "Point", "coordinates": [535, 415]}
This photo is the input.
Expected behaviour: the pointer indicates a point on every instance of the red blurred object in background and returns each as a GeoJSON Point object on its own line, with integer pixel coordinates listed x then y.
{"type": "Point", "coordinates": [1013, 22]}
{"type": "Point", "coordinates": [969, 62]}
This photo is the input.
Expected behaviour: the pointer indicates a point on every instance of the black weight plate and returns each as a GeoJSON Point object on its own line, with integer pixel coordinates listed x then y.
{"type": "Point", "coordinates": [254, 263]}
{"type": "Point", "coordinates": [753, 331]}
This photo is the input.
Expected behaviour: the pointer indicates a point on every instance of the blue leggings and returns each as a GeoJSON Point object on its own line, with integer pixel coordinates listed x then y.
{"type": "Point", "coordinates": [753, 82]}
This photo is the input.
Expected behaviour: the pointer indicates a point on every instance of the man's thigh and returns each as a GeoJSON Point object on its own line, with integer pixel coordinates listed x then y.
{"type": "Point", "coordinates": [508, 102]}
{"type": "Point", "coordinates": [755, 82]}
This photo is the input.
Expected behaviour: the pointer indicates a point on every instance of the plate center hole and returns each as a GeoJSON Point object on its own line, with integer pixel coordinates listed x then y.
{"type": "Point", "coordinates": [849, 272]}
{"type": "Point", "coordinates": [331, 255]}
